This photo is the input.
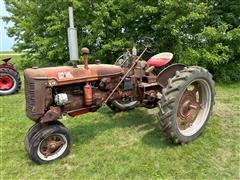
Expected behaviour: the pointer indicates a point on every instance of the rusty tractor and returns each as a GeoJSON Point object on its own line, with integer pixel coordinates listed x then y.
{"type": "Point", "coordinates": [184, 96]}
{"type": "Point", "coordinates": [10, 81]}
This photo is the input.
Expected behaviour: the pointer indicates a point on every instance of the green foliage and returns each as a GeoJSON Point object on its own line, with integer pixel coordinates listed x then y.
{"type": "Point", "coordinates": [205, 33]}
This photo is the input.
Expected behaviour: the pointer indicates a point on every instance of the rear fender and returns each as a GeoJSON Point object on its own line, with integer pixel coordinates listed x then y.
{"type": "Point", "coordinates": [168, 72]}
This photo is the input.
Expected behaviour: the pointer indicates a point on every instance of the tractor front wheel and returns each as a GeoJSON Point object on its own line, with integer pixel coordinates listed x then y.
{"type": "Point", "coordinates": [186, 104]}
{"type": "Point", "coordinates": [49, 143]}
{"type": "Point", "coordinates": [35, 128]}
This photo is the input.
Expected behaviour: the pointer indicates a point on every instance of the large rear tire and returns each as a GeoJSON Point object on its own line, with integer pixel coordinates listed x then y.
{"type": "Point", "coordinates": [186, 104]}
{"type": "Point", "coordinates": [10, 81]}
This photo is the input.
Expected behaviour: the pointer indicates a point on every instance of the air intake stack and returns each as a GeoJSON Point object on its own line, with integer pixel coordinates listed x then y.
{"type": "Point", "coordinates": [72, 39]}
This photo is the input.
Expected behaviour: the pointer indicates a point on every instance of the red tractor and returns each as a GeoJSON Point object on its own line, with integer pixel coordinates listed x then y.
{"type": "Point", "coordinates": [184, 96]}
{"type": "Point", "coordinates": [10, 81]}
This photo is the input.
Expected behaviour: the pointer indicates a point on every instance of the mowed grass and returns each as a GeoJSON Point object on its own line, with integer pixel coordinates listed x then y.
{"type": "Point", "coordinates": [126, 145]}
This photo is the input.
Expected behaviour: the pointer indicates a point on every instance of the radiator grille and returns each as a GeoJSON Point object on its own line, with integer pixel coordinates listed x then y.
{"type": "Point", "coordinates": [37, 95]}
{"type": "Point", "coordinates": [30, 95]}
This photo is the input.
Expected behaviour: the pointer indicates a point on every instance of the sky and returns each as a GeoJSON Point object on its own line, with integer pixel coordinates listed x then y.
{"type": "Point", "coordinates": [6, 42]}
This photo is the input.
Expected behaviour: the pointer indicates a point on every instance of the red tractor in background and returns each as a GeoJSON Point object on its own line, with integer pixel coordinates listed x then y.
{"type": "Point", "coordinates": [10, 81]}
{"type": "Point", "coordinates": [184, 96]}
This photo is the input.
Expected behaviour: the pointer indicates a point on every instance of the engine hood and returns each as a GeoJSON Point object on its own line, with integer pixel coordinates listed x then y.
{"type": "Point", "coordinates": [67, 74]}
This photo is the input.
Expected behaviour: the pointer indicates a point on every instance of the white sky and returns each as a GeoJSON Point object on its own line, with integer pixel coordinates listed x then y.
{"type": "Point", "coordinates": [6, 42]}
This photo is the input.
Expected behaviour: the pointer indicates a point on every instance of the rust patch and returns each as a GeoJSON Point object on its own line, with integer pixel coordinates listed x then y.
{"type": "Point", "coordinates": [37, 95]}
{"type": "Point", "coordinates": [68, 75]}
{"type": "Point", "coordinates": [168, 72]}
{"type": "Point", "coordinates": [51, 115]}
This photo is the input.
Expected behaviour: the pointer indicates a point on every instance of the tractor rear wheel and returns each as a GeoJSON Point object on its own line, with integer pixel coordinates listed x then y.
{"type": "Point", "coordinates": [10, 81]}
{"type": "Point", "coordinates": [186, 104]}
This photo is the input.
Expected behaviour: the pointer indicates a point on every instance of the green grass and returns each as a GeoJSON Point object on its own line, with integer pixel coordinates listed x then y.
{"type": "Point", "coordinates": [7, 52]}
{"type": "Point", "coordinates": [127, 145]}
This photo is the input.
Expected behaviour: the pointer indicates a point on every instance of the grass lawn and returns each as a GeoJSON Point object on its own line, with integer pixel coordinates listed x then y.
{"type": "Point", "coordinates": [126, 145]}
{"type": "Point", "coordinates": [6, 52]}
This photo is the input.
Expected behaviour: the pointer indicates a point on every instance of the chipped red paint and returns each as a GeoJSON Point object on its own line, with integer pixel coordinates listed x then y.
{"type": "Point", "coordinates": [68, 75]}
{"type": "Point", "coordinates": [77, 113]}
{"type": "Point", "coordinates": [40, 81]}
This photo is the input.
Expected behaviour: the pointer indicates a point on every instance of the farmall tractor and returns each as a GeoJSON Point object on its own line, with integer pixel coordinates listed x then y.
{"type": "Point", "coordinates": [10, 81]}
{"type": "Point", "coordinates": [184, 96]}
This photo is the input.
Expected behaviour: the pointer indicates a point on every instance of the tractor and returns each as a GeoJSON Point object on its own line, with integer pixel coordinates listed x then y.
{"type": "Point", "coordinates": [184, 96]}
{"type": "Point", "coordinates": [10, 81]}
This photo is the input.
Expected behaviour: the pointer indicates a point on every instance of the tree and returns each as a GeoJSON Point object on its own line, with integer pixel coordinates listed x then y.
{"type": "Point", "coordinates": [204, 33]}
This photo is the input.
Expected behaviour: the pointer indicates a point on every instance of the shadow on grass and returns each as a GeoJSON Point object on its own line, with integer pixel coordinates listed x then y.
{"type": "Point", "coordinates": [138, 119]}
{"type": "Point", "coordinates": [157, 140]}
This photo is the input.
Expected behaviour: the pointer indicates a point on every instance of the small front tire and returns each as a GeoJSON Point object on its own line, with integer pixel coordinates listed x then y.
{"type": "Point", "coordinates": [34, 129]}
{"type": "Point", "coordinates": [50, 143]}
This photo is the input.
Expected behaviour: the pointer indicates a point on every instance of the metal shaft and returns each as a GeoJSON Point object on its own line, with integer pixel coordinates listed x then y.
{"type": "Point", "coordinates": [85, 61]}
{"type": "Point", "coordinates": [71, 20]}
{"type": "Point", "coordinates": [72, 39]}
{"type": "Point", "coordinates": [129, 70]}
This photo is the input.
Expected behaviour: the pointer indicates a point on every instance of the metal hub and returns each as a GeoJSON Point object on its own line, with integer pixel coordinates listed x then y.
{"type": "Point", "coordinates": [189, 106]}
{"type": "Point", "coordinates": [194, 107]}
{"type": "Point", "coordinates": [6, 82]}
{"type": "Point", "coordinates": [51, 145]}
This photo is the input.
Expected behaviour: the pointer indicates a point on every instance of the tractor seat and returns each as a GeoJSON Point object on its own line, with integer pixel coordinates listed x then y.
{"type": "Point", "coordinates": [7, 59]}
{"type": "Point", "coordinates": [160, 59]}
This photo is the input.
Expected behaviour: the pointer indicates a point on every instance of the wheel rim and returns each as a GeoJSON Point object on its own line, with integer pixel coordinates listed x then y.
{"type": "Point", "coordinates": [52, 147]}
{"type": "Point", "coordinates": [194, 107]}
{"type": "Point", "coordinates": [6, 82]}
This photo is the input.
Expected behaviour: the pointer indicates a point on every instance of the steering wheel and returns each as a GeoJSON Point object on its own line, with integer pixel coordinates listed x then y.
{"type": "Point", "coordinates": [124, 60]}
{"type": "Point", "coordinates": [147, 42]}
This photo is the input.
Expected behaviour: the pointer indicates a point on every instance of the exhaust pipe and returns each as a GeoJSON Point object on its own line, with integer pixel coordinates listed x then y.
{"type": "Point", "coordinates": [72, 39]}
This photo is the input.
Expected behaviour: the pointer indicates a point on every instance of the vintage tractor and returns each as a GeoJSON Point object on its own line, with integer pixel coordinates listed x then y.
{"type": "Point", "coordinates": [184, 96]}
{"type": "Point", "coordinates": [10, 81]}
